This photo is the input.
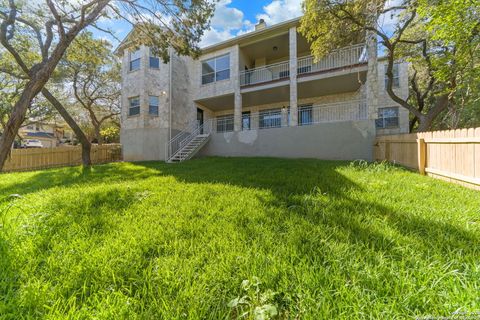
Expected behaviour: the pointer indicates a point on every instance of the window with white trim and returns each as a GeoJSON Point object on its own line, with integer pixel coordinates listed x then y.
{"type": "Point", "coordinates": [133, 106]}
{"type": "Point", "coordinates": [135, 59]}
{"type": "Point", "coordinates": [396, 76]}
{"type": "Point", "coordinates": [153, 102]}
{"type": "Point", "coordinates": [216, 69]}
{"type": "Point", "coordinates": [387, 118]}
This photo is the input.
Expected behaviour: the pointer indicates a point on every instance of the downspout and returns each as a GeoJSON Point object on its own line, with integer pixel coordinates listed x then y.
{"type": "Point", "coordinates": [170, 68]}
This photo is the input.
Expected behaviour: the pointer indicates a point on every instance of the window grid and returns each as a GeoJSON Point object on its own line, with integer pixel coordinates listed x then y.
{"type": "Point", "coordinates": [387, 118]}
{"type": "Point", "coordinates": [396, 76]}
{"type": "Point", "coordinates": [153, 105]}
{"type": "Point", "coordinates": [154, 62]}
{"type": "Point", "coordinates": [270, 119]}
{"type": "Point", "coordinates": [216, 74]}
{"type": "Point", "coordinates": [135, 59]}
{"type": "Point", "coordinates": [134, 106]}
{"type": "Point", "coordinates": [225, 123]}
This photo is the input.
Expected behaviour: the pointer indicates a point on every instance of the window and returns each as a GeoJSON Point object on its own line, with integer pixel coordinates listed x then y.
{"type": "Point", "coordinates": [246, 120]}
{"type": "Point", "coordinates": [270, 118]}
{"type": "Point", "coordinates": [225, 123]}
{"type": "Point", "coordinates": [135, 58]}
{"type": "Point", "coordinates": [216, 69]}
{"type": "Point", "coordinates": [305, 115]}
{"type": "Point", "coordinates": [133, 106]}
{"type": "Point", "coordinates": [153, 105]}
{"type": "Point", "coordinates": [31, 127]}
{"type": "Point", "coordinates": [396, 76]}
{"type": "Point", "coordinates": [387, 118]}
{"type": "Point", "coordinates": [154, 61]}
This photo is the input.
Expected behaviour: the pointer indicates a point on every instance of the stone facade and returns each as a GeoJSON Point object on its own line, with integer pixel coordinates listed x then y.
{"type": "Point", "coordinates": [178, 86]}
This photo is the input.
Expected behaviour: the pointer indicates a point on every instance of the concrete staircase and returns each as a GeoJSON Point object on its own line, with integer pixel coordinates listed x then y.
{"type": "Point", "coordinates": [190, 149]}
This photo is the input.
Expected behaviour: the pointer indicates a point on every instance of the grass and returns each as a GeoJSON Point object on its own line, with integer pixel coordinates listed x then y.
{"type": "Point", "coordinates": [223, 238]}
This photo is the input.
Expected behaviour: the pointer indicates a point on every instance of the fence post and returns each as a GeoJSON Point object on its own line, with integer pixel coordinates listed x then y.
{"type": "Point", "coordinates": [387, 150]}
{"type": "Point", "coordinates": [422, 155]}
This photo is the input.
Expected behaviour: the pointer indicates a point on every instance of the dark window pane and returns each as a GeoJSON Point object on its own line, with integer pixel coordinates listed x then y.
{"type": "Point", "coordinates": [387, 118]}
{"type": "Point", "coordinates": [133, 111]}
{"type": "Point", "coordinates": [208, 78]}
{"type": "Point", "coordinates": [154, 62]}
{"type": "Point", "coordinates": [153, 110]}
{"type": "Point", "coordinates": [223, 75]}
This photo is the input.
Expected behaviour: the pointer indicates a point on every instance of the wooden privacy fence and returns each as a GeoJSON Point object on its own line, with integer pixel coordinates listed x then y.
{"type": "Point", "coordinates": [31, 159]}
{"type": "Point", "coordinates": [452, 155]}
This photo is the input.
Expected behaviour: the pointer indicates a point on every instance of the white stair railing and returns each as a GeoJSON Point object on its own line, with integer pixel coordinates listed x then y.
{"type": "Point", "coordinates": [177, 143]}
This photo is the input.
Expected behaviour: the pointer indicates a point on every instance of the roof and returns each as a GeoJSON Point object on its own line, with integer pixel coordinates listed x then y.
{"type": "Point", "coordinates": [227, 43]}
{"type": "Point", "coordinates": [45, 135]}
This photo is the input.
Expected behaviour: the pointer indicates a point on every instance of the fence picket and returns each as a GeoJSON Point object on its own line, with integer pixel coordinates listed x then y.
{"type": "Point", "coordinates": [33, 159]}
{"type": "Point", "coordinates": [452, 155]}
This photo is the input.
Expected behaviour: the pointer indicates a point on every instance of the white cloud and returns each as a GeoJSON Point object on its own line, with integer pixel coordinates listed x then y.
{"type": "Point", "coordinates": [229, 22]}
{"type": "Point", "coordinates": [227, 18]}
{"type": "Point", "coordinates": [281, 10]}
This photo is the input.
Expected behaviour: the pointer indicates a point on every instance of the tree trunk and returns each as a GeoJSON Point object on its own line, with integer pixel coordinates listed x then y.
{"type": "Point", "coordinates": [86, 145]}
{"type": "Point", "coordinates": [98, 135]}
{"type": "Point", "coordinates": [424, 124]}
{"type": "Point", "coordinates": [18, 115]}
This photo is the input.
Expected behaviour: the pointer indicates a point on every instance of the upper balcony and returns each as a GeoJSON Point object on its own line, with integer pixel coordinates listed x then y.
{"type": "Point", "coordinates": [346, 57]}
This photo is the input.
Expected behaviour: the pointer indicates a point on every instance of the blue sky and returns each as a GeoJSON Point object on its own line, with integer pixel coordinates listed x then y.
{"type": "Point", "coordinates": [231, 18]}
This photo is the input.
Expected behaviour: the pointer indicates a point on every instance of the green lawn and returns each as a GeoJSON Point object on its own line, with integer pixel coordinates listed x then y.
{"type": "Point", "coordinates": [313, 239]}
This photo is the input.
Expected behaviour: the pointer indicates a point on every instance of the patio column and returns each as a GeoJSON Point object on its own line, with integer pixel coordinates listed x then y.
{"type": "Point", "coordinates": [372, 91]}
{"type": "Point", "coordinates": [293, 76]}
{"type": "Point", "coordinates": [237, 111]}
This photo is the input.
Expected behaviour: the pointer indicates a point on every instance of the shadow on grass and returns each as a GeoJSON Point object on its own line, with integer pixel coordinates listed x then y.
{"type": "Point", "coordinates": [297, 188]}
{"type": "Point", "coordinates": [291, 183]}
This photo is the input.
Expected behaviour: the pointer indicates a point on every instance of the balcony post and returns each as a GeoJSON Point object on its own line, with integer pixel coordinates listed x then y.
{"type": "Point", "coordinates": [372, 90]}
{"type": "Point", "coordinates": [293, 76]}
{"type": "Point", "coordinates": [237, 111]}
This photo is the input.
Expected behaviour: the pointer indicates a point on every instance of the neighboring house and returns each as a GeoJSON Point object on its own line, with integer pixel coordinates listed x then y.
{"type": "Point", "coordinates": [50, 135]}
{"type": "Point", "coordinates": [43, 132]}
{"type": "Point", "coordinates": [259, 94]}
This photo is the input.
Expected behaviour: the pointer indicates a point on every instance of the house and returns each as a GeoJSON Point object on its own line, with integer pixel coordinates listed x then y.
{"type": "Point", "coordinates": [49, 134]}
{"type": "Point", "coordinates": [259, 94]}
{"type": "Point", "coordinates": [43, 132]}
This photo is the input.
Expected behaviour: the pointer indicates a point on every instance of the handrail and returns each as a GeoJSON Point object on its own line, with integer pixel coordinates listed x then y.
{"type": "Point", "coordinates": [264, 67]}
{"type": "Point", "coordinates": [343, 57]}
{"type": "Point", "coordinates": [176, 144]}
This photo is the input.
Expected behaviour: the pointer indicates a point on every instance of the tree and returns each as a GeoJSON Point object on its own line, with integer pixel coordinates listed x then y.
{"type": "Point", "coordinates": [436, 62]}
{"type": "Point", "coordinates": [94, 73]}
{"type": "Point", "coordinates": [56, 23]}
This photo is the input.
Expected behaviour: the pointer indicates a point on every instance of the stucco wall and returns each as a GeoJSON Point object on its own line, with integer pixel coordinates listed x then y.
{"type": "Point", "coordinates": [144, 144]}
{"type": "Point", "coordinates": [330, 141]}
{"type": "Point", "coordinates": [217, 88]}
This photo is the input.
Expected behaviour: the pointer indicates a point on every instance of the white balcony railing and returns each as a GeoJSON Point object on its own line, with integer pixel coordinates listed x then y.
{"type": "Point", "coordinates": [307, 115]}
{"type": "Point", "coordinates": [344, 57]}
{"type": "Point", "coordinates": [265, 74]}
